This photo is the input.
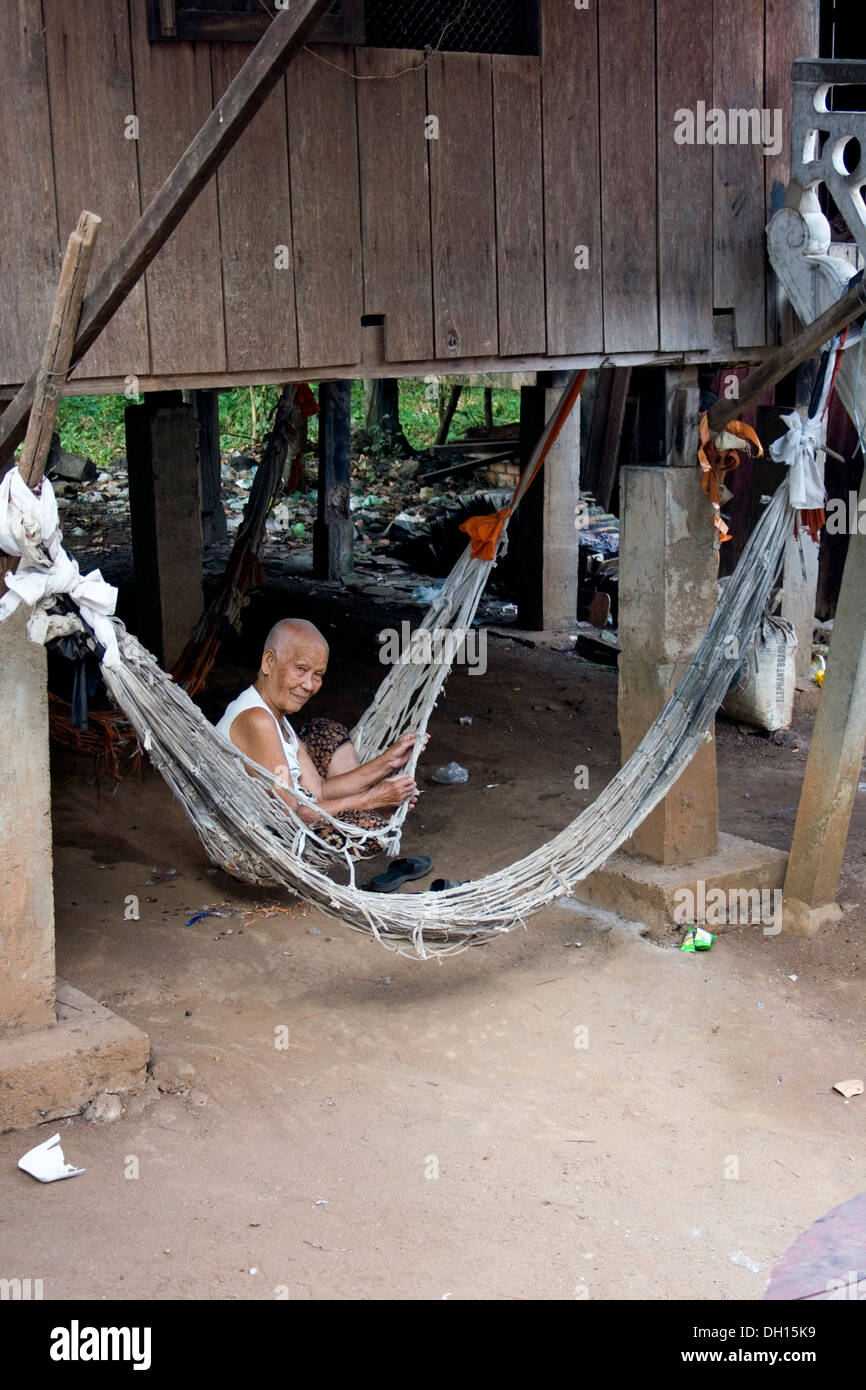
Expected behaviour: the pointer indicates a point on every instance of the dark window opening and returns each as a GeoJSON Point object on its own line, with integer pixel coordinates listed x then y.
{"type": "Point", "coordinates": [463, 26]}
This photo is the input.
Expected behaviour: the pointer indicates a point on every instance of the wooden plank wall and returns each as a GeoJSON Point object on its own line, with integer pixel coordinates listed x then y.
{"type": "Point", "coordinates": [552, 211]}
{"type": "Point", "coordinates": [685, 176]}
{"type": "Point", "coordinates": [29, 247]}
{"type": "Point", "coordinates": [395, 199]}
{"type": "Point", "coordinates": [572, 177]}
{"type": "Point", "coordinates": [255, 222]}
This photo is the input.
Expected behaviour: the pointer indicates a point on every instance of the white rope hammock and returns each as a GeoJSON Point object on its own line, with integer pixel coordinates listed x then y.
{"type": "Point", "coordinates": [251, 832]}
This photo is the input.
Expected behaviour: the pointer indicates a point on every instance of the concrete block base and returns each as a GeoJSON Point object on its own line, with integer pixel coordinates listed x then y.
{"type": "Point", "coordinates": [802, 920]}
{"type": "Point", "coordinates": [642, 890]}
{"type": "Point", "coordinates": [48, 1073]}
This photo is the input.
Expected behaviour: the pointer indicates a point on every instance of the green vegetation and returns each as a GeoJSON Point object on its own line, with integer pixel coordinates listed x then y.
{"type": "Point", "coordinates": [93, 425]}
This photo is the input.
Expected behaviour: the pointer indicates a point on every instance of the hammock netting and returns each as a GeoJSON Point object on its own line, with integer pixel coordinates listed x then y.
{"type": "Point", "coordinates": [249, 830]}
{"type": "Point", "coordinates": [252, 834]}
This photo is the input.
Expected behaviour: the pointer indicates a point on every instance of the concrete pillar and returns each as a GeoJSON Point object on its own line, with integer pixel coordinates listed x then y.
{"type": "Point", "coordinates": [27, 919]}
{"type": "Point", "coordinates": [58, 1048]}
{"type": "Point", "coordinates": [165, 515]}
{"type": "Point", "coordinates": [668, 581]}
{"type": "Point", "coordinates": [835, 755]}
{"type": "Point", "coordinates": [548, 539]}
{"type": "Point", "coordinates": [667, 592]}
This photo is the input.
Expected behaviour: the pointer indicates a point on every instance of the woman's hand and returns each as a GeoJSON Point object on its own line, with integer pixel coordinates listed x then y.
{"type": "Point", "coordinates": [401, 751]}
{"type": "Point", "coordinates": [393, 791]}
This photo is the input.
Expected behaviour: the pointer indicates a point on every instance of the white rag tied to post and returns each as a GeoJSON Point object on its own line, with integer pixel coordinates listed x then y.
{"type": "Point", "coordinates": [30, 528]}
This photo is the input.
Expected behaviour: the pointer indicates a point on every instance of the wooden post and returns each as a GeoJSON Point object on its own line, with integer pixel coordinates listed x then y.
{"type": "Point", "coordinates": [785, 359]}
{"type": "Point", "coordinates": [213, 517]}
{"type": "Point", "coordinates": [333, 534]}
{"type": "Point", "coordinates": [602, 449]}
{"type": "Point", "coordinates": [835, 755]}
{"type": "Point", "coordinates": [547, 538]}
{"type": "Point", "coordinates": [56, 358]}
{"type": "Point", "coordinates": [165, 517]}
{"type": "Point", "coordinates": [230, 117]}
{"type": "Point", "coordinates": [447, 414]}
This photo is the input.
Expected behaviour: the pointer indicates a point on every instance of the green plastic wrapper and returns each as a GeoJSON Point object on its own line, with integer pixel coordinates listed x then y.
{"type": "Point", "coordinates": [697, 940]}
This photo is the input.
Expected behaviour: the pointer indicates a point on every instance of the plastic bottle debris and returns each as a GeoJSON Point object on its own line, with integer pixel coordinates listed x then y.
{"type": "Point", "coordinates": [46, 1162]}
{"type": "Point", "coordinates": [465, 719]}
{"type": "Point", "coordinates": [738, 1258]}
{"type": "Point", "coordinates": [450, 774]}
{"type": "Point", "coordinates": [818, 669]}
{"type": "Point", "coordinates": [697, 939]}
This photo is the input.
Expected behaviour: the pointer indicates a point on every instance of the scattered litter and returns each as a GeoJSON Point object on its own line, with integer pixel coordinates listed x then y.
{"type": "Point", "coordinates": [697, 1232]}
{"type": "Point", "coordinates": [384, 980]}
{"type": "Point", "coordinates": [818, 670]}
{"type": "Point", "coordinates": [313, 931]}
{"type": "Point", "coordinates": [450, 774]}
{"type": "Point", "coordinates": [465, 719]}
{"type": "Point", "coordinates": [488, 786]}
{"type": "Point", "coordinates": [321, 1202]}
{"type": "Point", "coordinates": [578, 944]}
{"type": "Point", "coordinates": [849, 1088]}
{"type": "Point", "coordinates": [210, 912]}
{"type": "Point", "coordinates": [696, 939]}
{"type": "Point", "coordinates": [793, 977]}
{"type": "Point", "coordinates": [46, 1162]}
{"type": "Point", "coordinates": [739, 1258]}
{"type": "Point", "coordinates": [760, 1005]}
{"type": "Point", "coordinates": [163, 876]}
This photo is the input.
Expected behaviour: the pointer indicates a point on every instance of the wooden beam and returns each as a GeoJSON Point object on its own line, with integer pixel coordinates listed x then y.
{"type": "Point", "coordinates": [226, 123]}
{"type": "Point", "coordinates": [804, 344]}
{"type": "Point", "coordinates": [57, 354]}
{"type": "Point", "coordinates": [55, 360]}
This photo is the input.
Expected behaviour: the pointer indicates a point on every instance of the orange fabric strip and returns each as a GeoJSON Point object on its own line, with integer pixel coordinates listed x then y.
{"type": "Point", "coordinates": [717, 463]}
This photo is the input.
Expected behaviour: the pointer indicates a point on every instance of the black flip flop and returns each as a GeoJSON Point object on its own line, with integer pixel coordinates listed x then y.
{"type": "Point", "coordinates": [439, 885]}
{"type": "Point", "coordinates": [401, 871]}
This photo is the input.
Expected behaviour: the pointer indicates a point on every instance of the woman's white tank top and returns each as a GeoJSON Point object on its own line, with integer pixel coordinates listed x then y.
{"type": "Point", "coordinates": [251, 699]}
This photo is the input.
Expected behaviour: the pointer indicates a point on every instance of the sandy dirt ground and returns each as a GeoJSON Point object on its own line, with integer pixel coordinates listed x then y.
{"type": "Point", "coordinates": [431, 1130]}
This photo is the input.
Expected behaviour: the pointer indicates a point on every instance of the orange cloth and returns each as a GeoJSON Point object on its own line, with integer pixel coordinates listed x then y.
{"type": "Point", "coordinates": [717, 463]}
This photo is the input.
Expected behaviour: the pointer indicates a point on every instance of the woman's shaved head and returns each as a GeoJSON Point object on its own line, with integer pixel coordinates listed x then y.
{"type": "Point", "coordinates": [289, 632]}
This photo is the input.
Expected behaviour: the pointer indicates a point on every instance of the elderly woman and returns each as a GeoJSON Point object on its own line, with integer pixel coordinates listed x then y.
{"type": "Point", "coordinates": [321, 758]}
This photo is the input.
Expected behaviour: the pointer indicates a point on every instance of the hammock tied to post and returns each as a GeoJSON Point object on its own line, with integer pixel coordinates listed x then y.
{"type": "Point", "coordinates": [250, 831]}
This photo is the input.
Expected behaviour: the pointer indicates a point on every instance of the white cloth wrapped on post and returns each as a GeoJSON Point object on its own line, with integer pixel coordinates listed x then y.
{"type": "Point", "coordinates": [30, 529]}
{"type": "Point", "coordinates": [799, 448]}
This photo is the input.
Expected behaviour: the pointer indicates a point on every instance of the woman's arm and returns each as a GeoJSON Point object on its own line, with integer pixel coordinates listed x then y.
{"type": "Point", "coordinates": [255, 733]}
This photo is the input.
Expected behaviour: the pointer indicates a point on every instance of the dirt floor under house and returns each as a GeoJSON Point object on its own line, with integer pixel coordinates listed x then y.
{"type": "Point", "coordinates": [431, 1129]}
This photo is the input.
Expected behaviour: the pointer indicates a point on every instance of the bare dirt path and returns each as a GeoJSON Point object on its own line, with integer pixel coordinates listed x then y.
{"type": "Point", "coordinates": [432, 1130]}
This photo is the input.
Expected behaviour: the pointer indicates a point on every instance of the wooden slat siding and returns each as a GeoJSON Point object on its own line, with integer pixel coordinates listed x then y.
{"type": "Point", "coordinates": [519, 204]}
{"type": "Point", "coordinates": [791, 32]}
{"type": "Point", "coordinates": [685, 176]}
{"type": "Point", "coordinates": [174, 98]}
{"type": "Point", "coordinates": [459, 94]}
{"type": "Point", "coordinates": [255, 217]}
{"type": "Point", "coordinates": [95, 165]}
{"type": "Point", "coordinates": [572, 184]}
{"type": "Point", "coordinates": [326, 220]}
{"type": "Point", "coordinates": [29, 251]}
{"type": "Point", "coordinates": [395, 199]}
{"type": "Point", "coordinates": [629, 231]}
{"type": "Point", "coordinates": [739, 258]}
